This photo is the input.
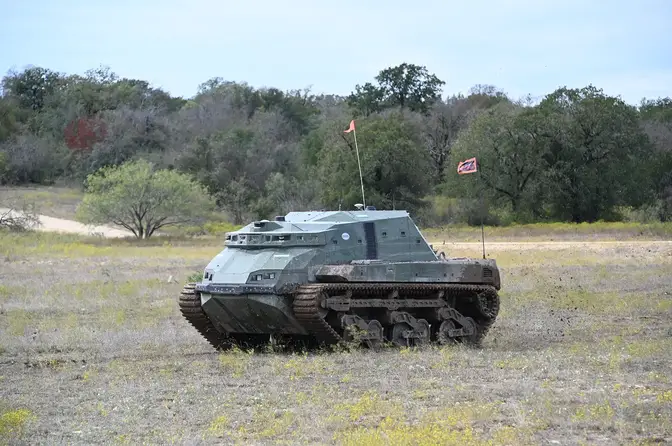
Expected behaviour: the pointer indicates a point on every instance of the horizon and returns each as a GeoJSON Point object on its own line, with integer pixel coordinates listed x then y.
{"type": "Point", "coordinates": [535, 48]}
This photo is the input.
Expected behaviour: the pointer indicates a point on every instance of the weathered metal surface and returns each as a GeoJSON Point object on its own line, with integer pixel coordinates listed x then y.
{"type": "Point", "coordinates": [250, 313]}
{"type": "Point", "coordinates": [450, 271]}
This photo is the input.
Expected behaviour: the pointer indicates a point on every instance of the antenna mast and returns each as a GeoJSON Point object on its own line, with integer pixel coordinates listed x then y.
{"type": "Point", "coordinates": [472, 166]}
{"type": "Point", "coordinates": [359, 164]}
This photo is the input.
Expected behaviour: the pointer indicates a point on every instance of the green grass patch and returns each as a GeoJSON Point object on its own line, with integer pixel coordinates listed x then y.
{"type": "Point", "coordinates": [213, 227]}
{"type": "Point", "coordinates": [54, 201]}
{"type": "Point", "coordinates": [103, 305]}
{"type": "Point", "coordinates": [18, 245]}
{"type": "Point", "coordinates": [53, 195]}
{"type": "Point", "coordinates": [373, 420]}
{"type": "Point", "coordinates": [13, 423]}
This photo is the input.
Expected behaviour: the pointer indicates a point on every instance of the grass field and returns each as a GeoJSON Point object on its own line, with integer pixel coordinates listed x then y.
{"type": "Point", "coordinates": [94, 350]}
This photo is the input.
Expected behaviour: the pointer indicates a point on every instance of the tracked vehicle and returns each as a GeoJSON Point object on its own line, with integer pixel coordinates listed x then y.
{"type": "Point", "coordinates": [324, 277]}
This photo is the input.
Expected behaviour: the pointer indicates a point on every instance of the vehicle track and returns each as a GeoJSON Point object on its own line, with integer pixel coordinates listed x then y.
{"type": "Point", "coordinates": [478, 302]}
{"type": "Point", "coordinates": [310, 313]}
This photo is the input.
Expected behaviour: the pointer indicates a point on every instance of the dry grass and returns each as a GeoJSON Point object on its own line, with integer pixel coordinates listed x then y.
{"type": "Point", "coordinates": [599, 231]}
{"type": "Point", "coordinates": [54, 201]}
{"type": "Point", "coordinates": [94, 350]}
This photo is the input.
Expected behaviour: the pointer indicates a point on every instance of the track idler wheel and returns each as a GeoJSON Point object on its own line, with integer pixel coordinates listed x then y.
{"type": "Point", "coordinates": [445, 333]}
{"type": "Point", "coordinates": [422, 332]}
{"type": "Point", "coordinates": [400, 334]}
{"type": "Point", "coordinates": [375, 336]}
{"type": "Point", "coordinates": [407, 330]}
{"type": "Point", "coordinates": [449, 333]}
{"type": "Point", "coordinates": [357, 329]}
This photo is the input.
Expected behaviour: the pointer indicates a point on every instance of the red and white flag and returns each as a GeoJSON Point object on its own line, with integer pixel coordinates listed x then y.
{"type": "Point", "coordinates": [467, 166]}
{"type": "Point", "coordinates": [351, 128]}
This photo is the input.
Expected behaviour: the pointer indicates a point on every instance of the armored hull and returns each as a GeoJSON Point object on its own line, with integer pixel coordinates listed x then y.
{"type": "Point", "coordinates": [326, 277]}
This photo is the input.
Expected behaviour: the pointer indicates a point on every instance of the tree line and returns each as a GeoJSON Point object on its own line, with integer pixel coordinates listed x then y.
{"type": "Point", "coordinates": [578, 155]}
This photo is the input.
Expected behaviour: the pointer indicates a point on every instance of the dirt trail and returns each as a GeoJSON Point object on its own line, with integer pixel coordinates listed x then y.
{"type": "Point", "coordinates": [53, 224]}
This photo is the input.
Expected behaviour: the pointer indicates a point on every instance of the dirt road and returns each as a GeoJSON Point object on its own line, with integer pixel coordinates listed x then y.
{"type": "Point", "coordinates": [53, 224]}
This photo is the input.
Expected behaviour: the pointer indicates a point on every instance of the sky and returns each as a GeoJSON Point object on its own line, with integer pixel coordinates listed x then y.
{"type": "Point", "coordinates": [520, 46]}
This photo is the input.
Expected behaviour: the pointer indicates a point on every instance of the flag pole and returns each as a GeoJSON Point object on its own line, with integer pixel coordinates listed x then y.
{"type": "Point", "coordinates": [473, 166]}
{"type": "Point", "coordinates": [480, 173]}
{"type": "Point", "coordinates": [361, 179]}
{"type": "Point", "coordinates": [359, 164]}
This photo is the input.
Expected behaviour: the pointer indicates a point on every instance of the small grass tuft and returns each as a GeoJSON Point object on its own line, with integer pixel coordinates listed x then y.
{"type": "Point", "coordinates": [235, 361]}
{"type": "Point", "coordinates": [218, 427]}
{"type": "Point", "coordinates": [13, 423]}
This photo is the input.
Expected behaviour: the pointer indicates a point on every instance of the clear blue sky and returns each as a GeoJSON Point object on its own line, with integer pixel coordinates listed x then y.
{"type": "Point", "coordinates": [521, 46]}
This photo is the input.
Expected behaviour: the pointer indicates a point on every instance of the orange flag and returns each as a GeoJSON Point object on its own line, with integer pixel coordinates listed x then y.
{"type": "Point", "coordinates": [351, 128]}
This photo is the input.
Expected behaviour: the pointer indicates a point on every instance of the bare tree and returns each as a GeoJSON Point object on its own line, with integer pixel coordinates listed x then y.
{"type": "Point", "coordinates": [440, 133]}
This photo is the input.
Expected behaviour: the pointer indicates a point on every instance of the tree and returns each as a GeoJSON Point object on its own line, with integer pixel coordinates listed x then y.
{"type": "Point", "coordinates": [657, 109]}
{"type": "Point", "coordinates": [411, 86]}
{"type": "Point", "coordinates": [440, 131]}
{"type": "Point", "coordinates": [284, 194]}
{"type": "Point", "coordinates": [31, 159]}
{"type": "Point", "coordinates": [580, 155]}
{"type": "Point", "coordinates": [502, 140]}
{"type": "Point", "coordinates": [394, 166]}
{"type": "Point", "coordinates": [8, 119]}
{"type": "Point", "coordinates": [597, 154]}
{"type": "Point", "coordinates": [406, 86]}
{"type": "Point", "coordinates": [485, 96]}
{"type": "Point", "coordinates": [142, 199]}
{"type": "Point", "coordinates": [32, 86]}
{"type": "Point", "coordinates": [367, 99]}
{"type": "Point", "coordinates": [657, 121]}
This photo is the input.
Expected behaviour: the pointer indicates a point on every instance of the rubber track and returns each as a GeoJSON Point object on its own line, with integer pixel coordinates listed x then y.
{"type": "Point", "coordinates": [306, 311]}
{"type": "Point", "coordinates": [307, 303]}
{"type": "Point", "coordinates": [190, 306]}
{"type": "Point", "coordinates": [483, 323]}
